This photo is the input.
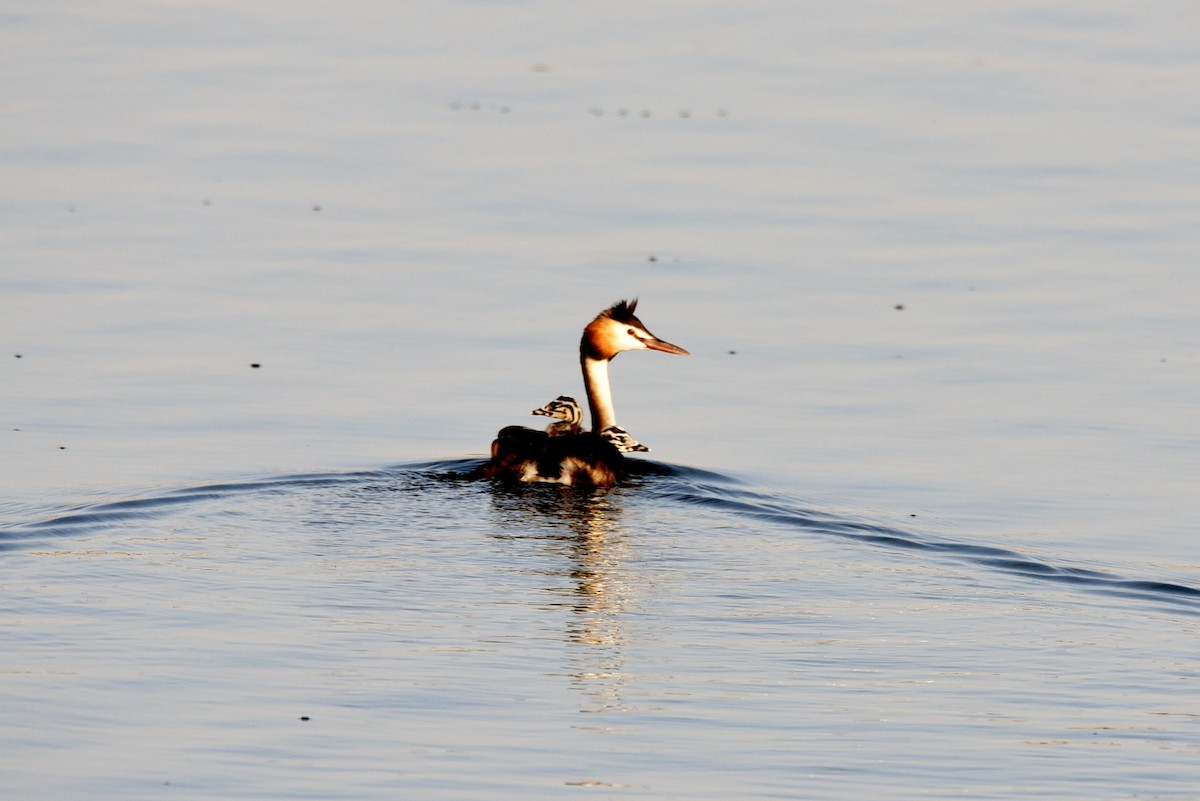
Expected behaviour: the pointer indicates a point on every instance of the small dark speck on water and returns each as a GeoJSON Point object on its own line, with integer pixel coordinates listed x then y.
{"type": "Point", "coordinates": [899, 307]}
{"type": "Point", "coordinates": [733, 353]}
{"type": "Point", "coordinates": [304, 718]}
{"type": "Point", "coordinates": [255, 365]}
{"type": "Point", "coordinates": [653, 258]}
{"type": "Point", "coordinates": [316, 207]}
{"type": "Point", "coordinates": [17, 355]}
{"type": "Point", "coordinates": [62, 447]}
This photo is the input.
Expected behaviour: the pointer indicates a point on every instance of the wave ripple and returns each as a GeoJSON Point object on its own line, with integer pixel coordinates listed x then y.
{"type": "Point", "coordinates": [669, 483]}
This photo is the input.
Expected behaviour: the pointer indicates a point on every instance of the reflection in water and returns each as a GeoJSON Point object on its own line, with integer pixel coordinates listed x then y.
{"type": "Point", "coordinates": [581, 527]}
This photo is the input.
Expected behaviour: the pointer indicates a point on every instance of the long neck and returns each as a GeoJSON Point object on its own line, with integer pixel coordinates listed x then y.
{"type": "Point", "coordinates": [595, 380]}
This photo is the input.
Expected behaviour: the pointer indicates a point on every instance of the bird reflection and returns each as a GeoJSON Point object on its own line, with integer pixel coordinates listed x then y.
{"type": "Point", "coordinates": [583, 529]}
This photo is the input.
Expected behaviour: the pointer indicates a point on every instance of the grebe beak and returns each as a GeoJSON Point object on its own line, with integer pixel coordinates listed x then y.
{"type": "Point", "coordinates": [654, 343]}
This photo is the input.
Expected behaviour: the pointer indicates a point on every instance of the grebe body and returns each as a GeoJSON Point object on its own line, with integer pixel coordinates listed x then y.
{"type": "Point", "coordinates": [564, 453]}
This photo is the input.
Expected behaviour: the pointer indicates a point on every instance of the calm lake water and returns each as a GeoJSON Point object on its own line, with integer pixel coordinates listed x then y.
{"type": "Point", "coordinates": [920, 515]}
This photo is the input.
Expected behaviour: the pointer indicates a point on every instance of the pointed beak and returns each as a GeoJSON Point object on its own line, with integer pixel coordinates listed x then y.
{"type": "Point", "coordinates": [665, 347]}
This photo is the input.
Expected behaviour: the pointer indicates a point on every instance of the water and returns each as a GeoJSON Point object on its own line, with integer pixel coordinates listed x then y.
{"type": "Point", "coordinates": [920, 519]}
{"type": "Point", "coordinates": [415, 630]}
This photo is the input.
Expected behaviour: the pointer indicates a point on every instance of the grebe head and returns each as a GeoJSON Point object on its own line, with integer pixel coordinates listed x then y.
{"type": "Point", "coordinates": [563, 408]}
{"type": "Point", "coordinates": [616, 329]}
{"type": "Point", "coordinates": [622, 440]}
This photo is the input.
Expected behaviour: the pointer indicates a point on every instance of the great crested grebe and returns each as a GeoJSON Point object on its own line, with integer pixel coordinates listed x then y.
{"type": "Point", "coordinates": [565, 456]}
{"type": "Point", "coordinates": [623, 441]}
{"type": "Point", "coordinates": [565, 410]}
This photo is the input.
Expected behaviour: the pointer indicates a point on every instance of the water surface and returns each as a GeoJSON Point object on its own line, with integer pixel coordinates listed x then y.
{"type": "Point", "coordinates": [416, 630]}
{"type": "Point", "coordinates": [925, 521]}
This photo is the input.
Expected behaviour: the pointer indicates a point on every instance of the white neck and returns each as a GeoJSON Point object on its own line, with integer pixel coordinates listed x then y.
{"type": "Point", "coordinates": [595, 380]}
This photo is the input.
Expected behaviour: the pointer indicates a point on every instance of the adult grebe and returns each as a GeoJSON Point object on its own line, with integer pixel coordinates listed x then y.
{"type": "Point", "coordinates": [581, 457]}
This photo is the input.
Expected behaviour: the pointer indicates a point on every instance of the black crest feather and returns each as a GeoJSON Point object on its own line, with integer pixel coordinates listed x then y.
{"type": "Point", "coordinates": [622, 311]}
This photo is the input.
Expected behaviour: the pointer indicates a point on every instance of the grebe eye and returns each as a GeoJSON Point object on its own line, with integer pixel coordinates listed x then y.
{"type": "Point", "coordinates": [632, 333]}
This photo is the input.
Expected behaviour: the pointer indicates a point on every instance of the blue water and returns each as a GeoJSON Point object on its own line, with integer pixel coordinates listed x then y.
{"type": "Point", "coordinates": [920, 518]}
{"type": "Point", "coordinates": [420, 631]}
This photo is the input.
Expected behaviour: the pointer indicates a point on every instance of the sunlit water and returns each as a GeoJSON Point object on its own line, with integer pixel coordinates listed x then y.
{"type": "Point", "coordinates": [415, 630]}
{"type": "Point", "coordinates": [921, 520]}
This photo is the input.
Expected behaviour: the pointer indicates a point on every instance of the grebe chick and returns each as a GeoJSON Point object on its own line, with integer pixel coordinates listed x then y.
{"type": "Point", "coordinates": [584, 457]}
{"type": "Point", "coordinates": [622, 441]}
{"type": "Point", "coordinates": [566, 412]}
{"type": "Point", "coordinates": [569, 416]}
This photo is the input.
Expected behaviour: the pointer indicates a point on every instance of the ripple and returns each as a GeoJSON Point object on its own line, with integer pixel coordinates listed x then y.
{"type": "Point", "coordinates": [750, 504]}
{"type": "Point", "coordinates": [671, 483]}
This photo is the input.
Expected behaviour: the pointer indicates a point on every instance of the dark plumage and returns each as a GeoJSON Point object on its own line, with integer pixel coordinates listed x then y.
{"type": "Point", "coordinates": [526, 454]}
